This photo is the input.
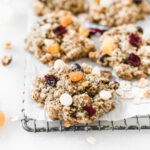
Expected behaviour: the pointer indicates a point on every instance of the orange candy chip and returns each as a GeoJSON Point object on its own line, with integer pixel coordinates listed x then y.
{"type": "Point", "coordinates": [97, 1]}
{"type": "Point", "coordinates": [2, 118]}
{"type": "Point", "coordinates": [76, 76]}
{"type": "Point", "coordinates": [108, 46]}
{"type": "Point", "coordinates": [53, 48]}
{"type": "Point", "coordinates": [66, 20]}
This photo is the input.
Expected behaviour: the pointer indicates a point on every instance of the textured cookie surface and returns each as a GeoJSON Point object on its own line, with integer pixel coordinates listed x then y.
{"type": "Point", "coordinates": [43, 7]}
{"type": "Point", "coordinates": [118, 12]}
{"type": "Point", "coordinates": [76, 94]}
{"type": "Point", "coordinates": [59, 35]}
{"type": "Point", "coordinates": [126, 50]}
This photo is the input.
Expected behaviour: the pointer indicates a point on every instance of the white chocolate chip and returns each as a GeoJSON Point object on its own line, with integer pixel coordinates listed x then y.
{"type": "Point", "coordinates": [48, 42]}
{"type": "Point", "coordinates": [96, 71]}
{"type": "Point", "coordinates": [59, 64]}
{"type": "Point", "coordinates": [46, 27]}
{"type": "Point", "coordinates": [65, 99]}
{"type": "Point", "coordinates": [91, 140]}
{"type": "Point", "coordinates": [106, 2]}
{"type": "Point", "coordinates": [105, 95]}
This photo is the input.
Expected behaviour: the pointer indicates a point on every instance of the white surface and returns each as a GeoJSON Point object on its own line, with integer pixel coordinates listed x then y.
{"type": "Point", "coordinates": [13, 137]}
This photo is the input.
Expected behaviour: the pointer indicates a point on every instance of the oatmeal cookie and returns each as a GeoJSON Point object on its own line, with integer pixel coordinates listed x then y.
{"type": "Point", "coordinates": [118, 12]}
{"type": "Point", "coordinates": [59, 35]}
{"type": "Point", "coordinates": [43, 7]}
{"type": "Point", "coordinates": [75, 94]}
{"type": "Point", "coordinates": [125, 49]}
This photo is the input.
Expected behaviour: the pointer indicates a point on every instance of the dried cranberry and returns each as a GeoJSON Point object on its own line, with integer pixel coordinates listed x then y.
{"type": "Point", "coordinates": [137, 2]}
{"type": "Point", "coordinates": [103, 57]}
{"type": "Point", "coordinates": [140, 29]}
{"type": "Point", "coordinates": [51, 80]}
{"type": "Point", "coordinates": [93, 31]}
{"type": "Point", "coordinates": [135, 40]}
{"type": "Point", "coordinates": [77, 67]}
{"type": "Point", "coordinates": [60, 30]}
{"type": "Point", "coordinates": [90, 110]}
{"type": "Point", "coordinates": [134, 60]}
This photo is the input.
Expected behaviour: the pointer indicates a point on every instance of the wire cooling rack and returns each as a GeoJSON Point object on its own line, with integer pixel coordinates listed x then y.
{"type": "Point", "coordinates": [134, 123]}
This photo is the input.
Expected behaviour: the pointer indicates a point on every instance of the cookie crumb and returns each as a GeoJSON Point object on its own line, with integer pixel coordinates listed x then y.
{"type": "Point", "coordinates": [8, 46]}
{"type": "Point", "coordinates": [6, 60]}
{"type": "Point", "coordinates": [91, 140]}
{"type": "Point", "coordinates": [147, 94]}
{"type": "Point", "coordinates": [142, 83]}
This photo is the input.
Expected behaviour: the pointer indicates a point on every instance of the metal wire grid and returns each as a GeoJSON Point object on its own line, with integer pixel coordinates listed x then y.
{"type": "Point", "coordinates": [133, 123]}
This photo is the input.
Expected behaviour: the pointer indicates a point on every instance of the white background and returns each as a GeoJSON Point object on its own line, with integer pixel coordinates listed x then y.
{"type": "Point", "coordinates": [12, 136]}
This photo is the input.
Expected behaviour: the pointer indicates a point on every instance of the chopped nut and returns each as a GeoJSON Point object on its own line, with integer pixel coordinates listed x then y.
{"type": "Point", "coordinates": [8, 46]}
{"type": "Point", "coordinates": [6, 60]}
{"type": "Point", "coordinates": [106, 73]}
{"type": "Point", "coordinates": [147, 94]}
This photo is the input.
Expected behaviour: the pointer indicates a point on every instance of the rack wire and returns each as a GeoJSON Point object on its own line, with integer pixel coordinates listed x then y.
{"type": "Point", "coordinates": [134, 123]}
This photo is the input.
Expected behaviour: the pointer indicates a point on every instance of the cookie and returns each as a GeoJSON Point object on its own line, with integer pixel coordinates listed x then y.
{"type": "Point", "coordinates": [126, 50]}
{"type": "Point", "coordinates": [59, 35]}
{"type": "Point", "coordinates": [118, 12]}
{"type": "Point", "coordinates": [43, 7]}
{"type": "Point", "coordinates": [75, 94]}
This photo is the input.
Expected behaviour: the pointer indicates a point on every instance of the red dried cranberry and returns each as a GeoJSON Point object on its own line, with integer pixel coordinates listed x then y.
{"type": "Point", "coordinates": [51, 80]}
{"type": "Point", "coordinates": [134, 60]}
{"type": "Point", "coordinates": [135, 40]}
{"type": "Point", "coordinates": [77, 67]}
{"type": "Point", "coordinates": [137, 1]}
{"type": "Point", "coordinates": [140, 29]}
{"type": "Point", "coordinates": [60, 30]}
{"type": "Point", "coordinates": [93, 31]}
{"type": "Point", "coordinates": [103, 57]}
{"type": "Point", "coordinates": [90, 110]}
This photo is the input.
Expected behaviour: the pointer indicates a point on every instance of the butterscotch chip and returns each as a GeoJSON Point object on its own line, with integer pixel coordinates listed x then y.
{"type": "Point", "coordinates": [6, 60]}
{"type": "Point", "coordinates": [8, 46]}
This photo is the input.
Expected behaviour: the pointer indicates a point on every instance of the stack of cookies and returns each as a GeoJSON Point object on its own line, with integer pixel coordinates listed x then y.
{"type": "Point", "coordinates": [80, 93]}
